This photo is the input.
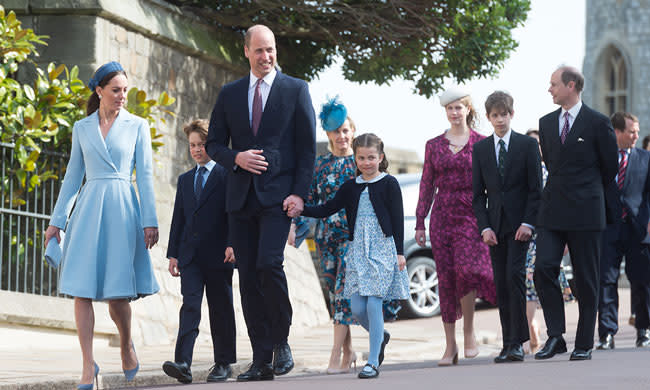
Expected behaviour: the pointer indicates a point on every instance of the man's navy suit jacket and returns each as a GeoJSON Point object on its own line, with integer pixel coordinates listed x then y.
{"type": "Point", "coordinates": [516, 196]}
{"type": "Point", "coordinates": [287, 135]}
{"type": "Point", "coordinates": [635, 194]}
{"type": "Point", "coordinates": [579, 171]}
{"type": "Point", "coordinates": [199, 230]}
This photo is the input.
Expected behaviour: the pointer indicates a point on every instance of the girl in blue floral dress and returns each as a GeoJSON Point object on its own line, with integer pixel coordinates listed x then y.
{"type": "Point", "coordinates": [330, 172]}
{"type": "Point", "coordinates": [375, 260]}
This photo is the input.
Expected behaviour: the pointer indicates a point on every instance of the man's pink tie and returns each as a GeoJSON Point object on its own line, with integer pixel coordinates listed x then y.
{"type": "Point", "coordinates": [565, 128]}
{"type": "Point", "coordinates": [257, 107]}
{"type": "Point", "coordinates": [620, 179]}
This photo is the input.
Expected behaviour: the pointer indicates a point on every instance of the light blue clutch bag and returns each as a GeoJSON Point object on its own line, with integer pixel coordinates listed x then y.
{"type": "Point", "coordinates": [53, 252]}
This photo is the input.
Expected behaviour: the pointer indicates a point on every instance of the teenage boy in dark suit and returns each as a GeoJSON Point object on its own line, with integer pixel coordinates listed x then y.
{"type": "Point", "coordinates": [507, 185]}
{"type": "Point", "coordinates": [198, 240]}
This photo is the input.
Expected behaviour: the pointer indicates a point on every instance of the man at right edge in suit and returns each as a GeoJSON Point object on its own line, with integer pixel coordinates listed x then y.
{"type": "Point", "coordinates": [579, 149]}
{"type": "Point", "coordinates": [627, 236]}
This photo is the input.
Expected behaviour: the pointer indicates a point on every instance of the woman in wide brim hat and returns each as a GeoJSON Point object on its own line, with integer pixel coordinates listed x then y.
{"type": "Point", "coordinates": [462, 259]}
{"type": "Point", "coordinates": [105, 254]}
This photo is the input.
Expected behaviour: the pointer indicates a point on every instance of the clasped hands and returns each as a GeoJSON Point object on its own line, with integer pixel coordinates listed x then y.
{"type": "Point", "coordinates": [524, 233]}
{"type": "Point", "coordinates": [293, 205]}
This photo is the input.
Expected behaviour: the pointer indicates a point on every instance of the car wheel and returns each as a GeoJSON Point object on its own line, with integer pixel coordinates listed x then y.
{"type": "Point", "coordinates": [423, 288]}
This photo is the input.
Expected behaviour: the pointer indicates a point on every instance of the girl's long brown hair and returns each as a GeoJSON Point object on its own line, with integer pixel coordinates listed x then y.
{"type": "Point", "coordinates": [370, 140]}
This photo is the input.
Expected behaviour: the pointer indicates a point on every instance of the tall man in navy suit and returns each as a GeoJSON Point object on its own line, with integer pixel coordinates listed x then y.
{"type": "Point", "coordinates": [629, 195]}
{"type": "Point", "coordinates": [263, 130]}
{"type": "Point", "coordinates": [579, 148]}
{"type": "Point", "coordinates": [198, 244]}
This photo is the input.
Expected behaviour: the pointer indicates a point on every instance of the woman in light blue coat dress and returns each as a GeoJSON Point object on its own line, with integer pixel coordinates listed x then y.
{"type": "Point", "coordinates": [105, 252]}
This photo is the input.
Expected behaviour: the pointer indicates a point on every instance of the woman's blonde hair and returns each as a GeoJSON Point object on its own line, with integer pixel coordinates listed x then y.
{"type": "Point", "coordinates": [472, 115]}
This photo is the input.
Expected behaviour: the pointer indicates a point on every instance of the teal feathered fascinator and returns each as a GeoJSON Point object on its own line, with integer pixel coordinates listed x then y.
{"type": "Point", "coordinates": [332, 114]}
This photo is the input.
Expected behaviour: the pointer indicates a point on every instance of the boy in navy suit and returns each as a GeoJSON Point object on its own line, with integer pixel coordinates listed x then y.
{"type": "Point", "coordinates": [197, 244]}
{"type": "Point", "coordinates": [507, 185]}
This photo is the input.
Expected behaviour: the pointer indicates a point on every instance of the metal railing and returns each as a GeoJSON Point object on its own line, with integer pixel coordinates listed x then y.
{"type": "Point", "coordinates": [24, 216]}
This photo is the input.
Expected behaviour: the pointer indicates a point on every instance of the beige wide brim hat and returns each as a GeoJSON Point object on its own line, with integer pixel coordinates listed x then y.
{"type": "Point", "coordinates": [452, 94]}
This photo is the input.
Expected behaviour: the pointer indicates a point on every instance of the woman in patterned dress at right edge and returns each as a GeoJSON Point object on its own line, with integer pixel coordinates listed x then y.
{"type": "Point", "coordinates": [462, 260]}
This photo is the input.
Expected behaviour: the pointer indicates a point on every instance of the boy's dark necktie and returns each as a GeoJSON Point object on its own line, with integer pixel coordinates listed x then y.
{"type": "Point", "coordinates": [502, 158]}
{"type": "Point", "coordinates": [198, 184]}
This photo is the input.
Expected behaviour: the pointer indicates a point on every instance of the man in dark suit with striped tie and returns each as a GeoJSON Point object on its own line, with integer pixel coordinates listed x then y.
{"type": "Point", "coordinates": [579, 148]}
{"type": "Point", "coordinates": [627, 236]}
{"type": "Point", "coordinates": [263, 131]}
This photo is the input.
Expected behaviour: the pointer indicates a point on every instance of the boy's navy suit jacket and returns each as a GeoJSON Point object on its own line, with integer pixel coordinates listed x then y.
{"type": "Point", "coordinates": [199, 230]}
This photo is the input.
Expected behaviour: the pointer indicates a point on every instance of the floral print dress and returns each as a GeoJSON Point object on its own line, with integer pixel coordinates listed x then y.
{"type": "Point", "coordinates": [331, 235]}
{"type": "Point", "coordinates": [462, 259]}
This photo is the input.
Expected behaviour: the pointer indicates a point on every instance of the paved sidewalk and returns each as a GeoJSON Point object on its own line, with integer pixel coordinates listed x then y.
{"type": "Point", "coordinates": [412, 341]}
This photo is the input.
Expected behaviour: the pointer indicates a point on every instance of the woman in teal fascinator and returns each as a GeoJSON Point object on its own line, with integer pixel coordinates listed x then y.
{"type": "Point", "coordinates": [330, 172]}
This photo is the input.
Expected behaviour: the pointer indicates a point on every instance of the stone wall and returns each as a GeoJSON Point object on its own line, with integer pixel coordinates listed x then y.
{"type": "Point", "coordinates": [626, 26]}
{"type": "Point", "coordinates": [161, 50]}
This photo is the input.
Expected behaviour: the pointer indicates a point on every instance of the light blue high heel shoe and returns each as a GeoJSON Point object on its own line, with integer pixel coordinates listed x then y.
{"type": "Point", "coordinates": [90, 386]}
{"type": "Point", "coordinates": [130, 374]}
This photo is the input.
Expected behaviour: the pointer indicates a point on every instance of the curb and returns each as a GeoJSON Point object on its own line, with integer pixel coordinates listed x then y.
{"type": "Point", "coordinates": [113, 380]}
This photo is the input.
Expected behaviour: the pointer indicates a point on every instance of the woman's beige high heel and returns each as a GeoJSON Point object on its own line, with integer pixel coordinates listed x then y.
{"type": "Point", "coordinates": [449, 362]}
{"type": "Point", "coordinates": [353, 362]}
{"type": "Point", "coordinates": [345, 367]}
{"type": "Point", "coordinates": [472, 353]}
{"type": "Point", "coordinates": [332, 370]}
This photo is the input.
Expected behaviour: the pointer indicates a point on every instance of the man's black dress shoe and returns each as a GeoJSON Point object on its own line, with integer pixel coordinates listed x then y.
{"type": "Point", "coordinates": [580, 354]}
{"type": "Point", "coordinates": [642, 338]}
{"type": "Point", "coordinates": [553, 346]}
{"type": "Point", "coordinates": [373, 372]}
{"type": "Point", "coordinates": [180, 371]}
{"type": "Point", "coordinates": [219, 373]}
{"type": "Point", "coordinates": [257, 372]}
{"type": "Point", "coordinates": [282, 359]}
{"type": "Point", "coordinates": [503, 355]}
{"type": "Point", "coordinates": [606, 342]}
{"type": "Point", "coordinates": [515, 353]}
{"type": "Point", "coordinates": [383, 347]}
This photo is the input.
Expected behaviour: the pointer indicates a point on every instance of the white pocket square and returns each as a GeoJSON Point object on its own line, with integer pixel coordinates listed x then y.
{"type": "Point", "coordinates": [581, 140]}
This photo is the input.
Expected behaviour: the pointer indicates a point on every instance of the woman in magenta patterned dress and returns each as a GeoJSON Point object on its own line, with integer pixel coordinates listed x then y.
{"type": "Point", "coordinates": [462, 260]}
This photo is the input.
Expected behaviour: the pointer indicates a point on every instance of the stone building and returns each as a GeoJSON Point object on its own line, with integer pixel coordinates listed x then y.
{"type": "Point", "coordinates": [162, 49]}
{"type": "Point", "coordinates": [617, 55]}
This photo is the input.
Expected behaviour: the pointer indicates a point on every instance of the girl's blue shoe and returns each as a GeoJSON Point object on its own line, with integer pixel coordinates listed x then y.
{"type": "Point", "coordinates": [89, 386]}
{"type": "Point", "coordinates": [130, 374]}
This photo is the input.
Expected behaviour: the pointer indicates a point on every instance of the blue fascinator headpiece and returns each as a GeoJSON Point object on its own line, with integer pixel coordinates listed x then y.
{"type": "Point", "coordinates": [102, 72]}
{"type": "Point", "coordinates": [333, 113]}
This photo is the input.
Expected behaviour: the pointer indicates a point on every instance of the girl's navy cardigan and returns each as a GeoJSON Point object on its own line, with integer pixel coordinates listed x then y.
{"type": "Point", "coordinates": [386, 199]}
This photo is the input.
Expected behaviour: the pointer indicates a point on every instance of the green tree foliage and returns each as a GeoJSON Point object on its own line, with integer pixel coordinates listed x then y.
{"type": "Point", "coordinates": [379, 40]}
{"type": "Point", "coordinates": [39, 115]}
